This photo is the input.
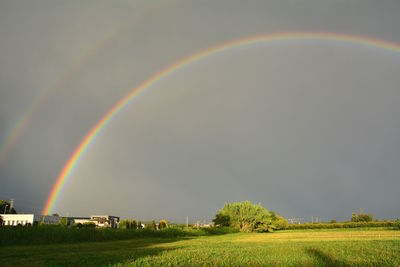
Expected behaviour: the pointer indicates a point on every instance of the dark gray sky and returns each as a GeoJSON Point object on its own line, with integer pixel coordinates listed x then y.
{"type": "Point", "coordinates": [305, 128]}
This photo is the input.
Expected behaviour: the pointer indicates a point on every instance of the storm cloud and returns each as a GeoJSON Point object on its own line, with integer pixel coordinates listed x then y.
{"type": "Point", "coordinates": [305, 128]}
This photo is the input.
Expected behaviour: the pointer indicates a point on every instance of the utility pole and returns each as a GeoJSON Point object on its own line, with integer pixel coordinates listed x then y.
{"type": "Point", "coordinates": [11, 204]}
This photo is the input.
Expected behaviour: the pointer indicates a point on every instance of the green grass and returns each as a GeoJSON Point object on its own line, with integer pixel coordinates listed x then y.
{"type": "Point", "coordinates": [293, 248]}
{"type": "Point", "coordinates": [48, 234]}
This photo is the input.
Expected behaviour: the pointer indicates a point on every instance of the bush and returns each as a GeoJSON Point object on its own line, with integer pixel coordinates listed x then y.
{"type": "Point", "coordinates": [128, 224]}
{"type": "Point", "coordinates": [151, 226]}
{"type": "Point", "coordinates": [63, 222]}
{"type": "Point", "coordinates": [361, 217]}
{"type": "Point", "coordinates": [163, 224]}
{"type": "Point", "coordinates": [392, 224]}
{"type": "Point", "coordinates": [278, 221]}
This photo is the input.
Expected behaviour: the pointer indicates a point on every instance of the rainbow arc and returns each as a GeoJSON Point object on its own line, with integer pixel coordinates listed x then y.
{"type": "Point", "coordinates": [277, 37]}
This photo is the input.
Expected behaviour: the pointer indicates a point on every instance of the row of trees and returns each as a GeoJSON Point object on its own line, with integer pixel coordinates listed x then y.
{"type": "Point", "coordinates": [248, 217]}
{"type": "Point", "coordinates": [132, 224]}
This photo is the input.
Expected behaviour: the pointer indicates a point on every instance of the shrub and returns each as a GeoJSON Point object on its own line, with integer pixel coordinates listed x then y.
{"type": "Point", "coordinates": [361, 217]}
{"type": "Point", "coordinates": [163, 224]}
{"type": "Point", "coordinates": [278, 221]}
{"type": "Point", "coordinates": [63, 222]}
{"type": "Point", "coordinates": [391, 224]}
{"type": "Point", "coordinates": [151, 226]}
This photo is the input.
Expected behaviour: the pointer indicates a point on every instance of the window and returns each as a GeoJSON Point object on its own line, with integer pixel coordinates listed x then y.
{"type": "Point", "coordinates": [12, 223]}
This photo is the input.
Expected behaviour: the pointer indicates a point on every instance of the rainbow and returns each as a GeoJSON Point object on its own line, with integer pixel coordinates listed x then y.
{"type": "Point", "coordinates": [26, 119]}
{"type": "Point", "coordinates": [290, 36]}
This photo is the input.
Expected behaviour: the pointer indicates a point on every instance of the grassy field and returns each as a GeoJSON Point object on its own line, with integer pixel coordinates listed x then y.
{"type": "Point", "coordinates": [314, 247]}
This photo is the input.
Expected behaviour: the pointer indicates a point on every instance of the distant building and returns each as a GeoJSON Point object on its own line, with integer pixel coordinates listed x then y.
{"type": "Point", "coordinates": [31, 219]}
{"type": "Point", "coordinates": [27, 219]}
{"type": "Point", "coordinates": [105, 221]}
{"type": "Point", "coordinates": [98, 220]}
{"type": "Point", "coordinates": [198, 224]}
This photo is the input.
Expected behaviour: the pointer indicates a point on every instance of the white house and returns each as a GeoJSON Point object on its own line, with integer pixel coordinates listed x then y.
{"type": "Point", "coordinates": [27, 219]}
{"type": "Point", "coordinates": [17, 219]}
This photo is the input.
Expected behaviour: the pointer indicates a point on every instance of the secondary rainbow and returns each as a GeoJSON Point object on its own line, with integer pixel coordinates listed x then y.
{"type": "Point", "coordinates": [26, 119]}
{"type": "Point", "coordinates": [290, 36]}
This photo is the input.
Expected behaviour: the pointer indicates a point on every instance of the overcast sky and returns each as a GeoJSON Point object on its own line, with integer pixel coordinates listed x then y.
{"type": "Point", "coordinates": [305, 128]}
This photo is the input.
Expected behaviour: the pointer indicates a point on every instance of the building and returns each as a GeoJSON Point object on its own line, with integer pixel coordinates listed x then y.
{"type": "Point", "coordinates": [31, 219]}
{"type": "Point", "coordinates": [105, 221]}
{"type": "Point", "coordinates": [27, 219]}
{"type": "Point", "coordinates": [98, 220]}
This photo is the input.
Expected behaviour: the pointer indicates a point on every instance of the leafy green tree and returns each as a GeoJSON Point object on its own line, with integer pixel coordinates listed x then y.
{"type": "Point", "coordinates": [63, 222]}
{"type": "Point", "coordinates": [354, 217]}
{"type": "Point", "coordinates": [222, 219]}
{"type": "Point", "coordinates": [140, 226]}
{"type": "Point", "coordinates": [134, 224]}
{"type": "Point", "coordinates": [123, 224]}
{"type": "Point", "coordinates": [152, 225]}
{"type": "Point", "coordinates": [163, 224]}
{"type": "Point", "coordinates": [246, 217]}
{"type": "Point", "coordinates": [5, 207]}
{"type": "Point", "coordinates": [363, 217]}
{"type": "Point", "coordinates": [278, 221]}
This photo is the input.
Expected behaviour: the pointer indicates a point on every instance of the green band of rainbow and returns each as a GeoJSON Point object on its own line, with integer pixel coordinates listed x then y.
{"type": "Point", "coordinates": [79, 151]}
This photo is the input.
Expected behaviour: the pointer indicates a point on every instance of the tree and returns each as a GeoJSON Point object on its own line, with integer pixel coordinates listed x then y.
{"type": "Point", "coordinates": [245, 216]}
{"type": "Point", "coordinates": [139, 225]}
{"type": "Point", "coordinates": [354, 217]}
{"type": "Point", "coordinates": [152, 225]}
{"type": "Point", "coordinates": [222, 219]}
{"type": "Point", "coordinates": [63, 222]}
{"type": "Point", "coordinates": [278, 221]}
{"type": "Point", "coordinates": [5, 207]}
{"type": "Point", "coordinates": [163, 224]}
{"type": "Point", "coordinates": [361, 217]}
{"type": "Point", "coordinates": [123, 224]}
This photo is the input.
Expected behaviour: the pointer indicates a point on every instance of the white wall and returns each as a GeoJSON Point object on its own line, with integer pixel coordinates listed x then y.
{"type": "Point", "coordinates": [16, 219]}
